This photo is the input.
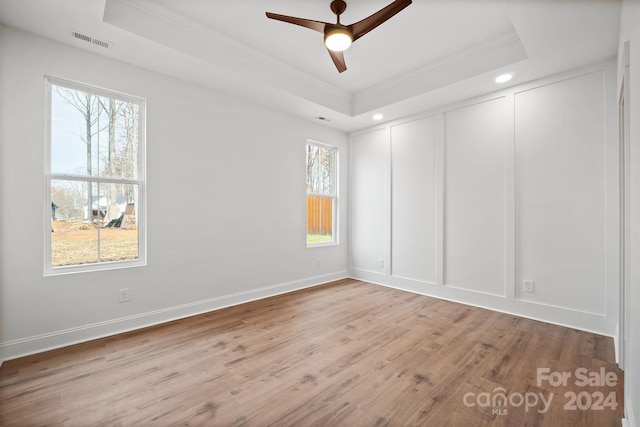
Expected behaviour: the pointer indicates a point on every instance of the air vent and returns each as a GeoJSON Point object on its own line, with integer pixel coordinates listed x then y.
{"type": "Point", "coordinates": [324, 119]}
{"type": "Point", "coordinates": [90, 39]}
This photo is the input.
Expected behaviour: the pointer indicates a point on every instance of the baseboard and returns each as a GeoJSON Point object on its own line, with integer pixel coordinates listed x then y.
{"type": "Point", "coordinates": [37, 344]}
{"type": "Point", "coordinates": [544, 313]}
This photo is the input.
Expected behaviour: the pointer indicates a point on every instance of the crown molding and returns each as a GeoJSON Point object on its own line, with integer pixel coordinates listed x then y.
{"type": "Point", "coordinates": [500, 51]}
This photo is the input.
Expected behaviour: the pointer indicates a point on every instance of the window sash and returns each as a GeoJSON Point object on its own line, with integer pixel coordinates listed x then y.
{"type": "Point", "coordinates": [315, 231]}
{"type": "Point", "coordinates": [316, 169]}
{"type": "Point", "coordinates": [98, 180]}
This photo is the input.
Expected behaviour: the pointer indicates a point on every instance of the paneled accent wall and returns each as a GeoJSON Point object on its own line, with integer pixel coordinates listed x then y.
{"type": "Point", "coordinates": [368, 172]}
{"type": "Point", "coordinates": [470, 201]}
{"type": "Point", "coordinates": [560, 192]}
{"type": "Point", "coordinates": [476, 139]}
{"type": "Point", "coordinates": [413, 207]}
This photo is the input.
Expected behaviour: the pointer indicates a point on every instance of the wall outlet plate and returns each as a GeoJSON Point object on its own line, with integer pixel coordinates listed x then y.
{"type": "Point", "coordinates": [529, 286]}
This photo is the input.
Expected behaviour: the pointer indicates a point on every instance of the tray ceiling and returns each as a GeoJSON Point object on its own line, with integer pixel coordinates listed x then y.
{"type": "Point", "coordinates": [431, 53]}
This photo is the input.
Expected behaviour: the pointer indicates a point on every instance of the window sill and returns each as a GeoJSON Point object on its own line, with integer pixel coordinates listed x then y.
{"type": "Point", "coordinates": [319, 245]}
{"type": "Point", "coordinates": [104, 266]}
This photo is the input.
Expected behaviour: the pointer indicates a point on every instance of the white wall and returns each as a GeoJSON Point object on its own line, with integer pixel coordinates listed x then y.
{"type": "Point", "coordinates": [477, 197]}
{"type": "Point", "coordinates": [226, 203]}
{"type": "Point", "coordinates": [369, 228]}
{"type": "Point", "coordinates": [476, 141]}
{"type": "Point", "coordinates": [560, 176]}
{"type": "Point", "coordinates": [413, 210]}
{"type": "Point", "coordinates": [630, 36]}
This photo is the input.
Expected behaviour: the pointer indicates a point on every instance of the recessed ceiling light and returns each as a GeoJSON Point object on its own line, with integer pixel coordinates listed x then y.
{"type": "Point", "coordinates": [504, 78]}
{"type": "Point", "coordinates": [377, 116]}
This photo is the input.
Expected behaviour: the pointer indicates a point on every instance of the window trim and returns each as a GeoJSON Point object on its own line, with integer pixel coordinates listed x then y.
{"type": "Point", "coordinates": [334, 208]}
{"type": "Point", "coordinates": [140, 181]}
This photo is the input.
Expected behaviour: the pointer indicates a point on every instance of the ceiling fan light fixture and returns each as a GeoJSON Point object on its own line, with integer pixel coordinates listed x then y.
{"type": "Point", "coordinates": [338, 38]}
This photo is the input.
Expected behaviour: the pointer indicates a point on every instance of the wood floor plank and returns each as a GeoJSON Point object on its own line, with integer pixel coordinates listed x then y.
{"type": "Point", "coordinates": [343, 354]}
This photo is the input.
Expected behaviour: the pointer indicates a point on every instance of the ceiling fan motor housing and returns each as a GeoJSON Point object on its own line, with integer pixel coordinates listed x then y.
{"type": "Point", "coordinates": [338, 7]}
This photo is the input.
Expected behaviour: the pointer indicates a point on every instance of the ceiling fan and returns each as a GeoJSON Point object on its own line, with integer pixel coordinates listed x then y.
{"type": "Point", "coordinates": [338, 37]}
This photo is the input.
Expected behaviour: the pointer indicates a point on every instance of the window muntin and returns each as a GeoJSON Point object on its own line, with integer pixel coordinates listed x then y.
{"type": "Point", "coordinates": [94, 177]}
{"type": "Point", "coordinates": [321, 167]}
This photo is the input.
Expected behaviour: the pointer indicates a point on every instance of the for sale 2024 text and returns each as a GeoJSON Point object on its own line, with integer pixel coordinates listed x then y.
{"type": "Point", "coordinates": [583, 378]}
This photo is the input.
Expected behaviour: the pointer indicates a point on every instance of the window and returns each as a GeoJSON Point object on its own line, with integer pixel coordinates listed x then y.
{"type": "Point", "coordinates": [94, 210]}
{"type": "Point", "coordinates": [322, 164]}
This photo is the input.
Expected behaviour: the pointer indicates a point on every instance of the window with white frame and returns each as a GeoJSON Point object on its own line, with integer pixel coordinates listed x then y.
{"type": "Point", "coordinates": [322, 165]}
{"type": "Point", "coordinates": [94, 175]}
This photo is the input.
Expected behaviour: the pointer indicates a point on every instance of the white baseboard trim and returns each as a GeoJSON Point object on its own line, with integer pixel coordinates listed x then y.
{"type": "Point", "coordinates": [584, 321]}
{"type": "Point", "coordinates": [49, 341]}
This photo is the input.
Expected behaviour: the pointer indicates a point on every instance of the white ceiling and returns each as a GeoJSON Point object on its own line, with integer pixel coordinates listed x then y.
{"type": "Point", "coordinates": [431, 53]}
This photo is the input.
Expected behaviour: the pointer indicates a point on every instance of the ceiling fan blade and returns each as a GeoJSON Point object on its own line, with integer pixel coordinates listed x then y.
{"type": "Point", "coordinates": [308, 23]}
{"type": "Point", "coordinates": [338, 59]}
{"type": "Point", "coordinates": [361, 28]}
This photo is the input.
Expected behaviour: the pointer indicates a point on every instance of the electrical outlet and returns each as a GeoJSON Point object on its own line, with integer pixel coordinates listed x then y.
{"type": "Point", "coordinates": [124, 295]}
{"type": "Point", "coordinates": [529, 286]}
{"type": "Point", "coordinates": [381, 263]}
{"type": "Point", "coordinates": [319, 262]}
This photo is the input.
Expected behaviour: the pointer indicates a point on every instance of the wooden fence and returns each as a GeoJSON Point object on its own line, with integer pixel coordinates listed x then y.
{"type": "Point", "coordinates": [319, 215]}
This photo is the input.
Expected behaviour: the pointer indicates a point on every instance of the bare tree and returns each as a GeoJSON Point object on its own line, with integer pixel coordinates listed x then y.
{"type": "Point", "coordinates": [319, 169]}
{"type": "Point", "coordinates": [69, 198]}
{"type": "Point", "coordinates": [119, 158]}
{"type": "Point", "coordinates": [312, 161]}
{"type": "Point", "coordinates": [111, 107]}
{"type": "Point", "coordinates": [129, 151]}
{"type": "Point", "coordinates": [87, 105]}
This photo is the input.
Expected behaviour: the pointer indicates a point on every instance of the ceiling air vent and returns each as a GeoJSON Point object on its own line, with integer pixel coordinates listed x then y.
{"type": "Point", "coordinates": [90, 39]}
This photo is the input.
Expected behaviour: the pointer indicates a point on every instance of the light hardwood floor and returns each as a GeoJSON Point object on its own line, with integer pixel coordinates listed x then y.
{"type": "Point", "coordinates": [347, 353]}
